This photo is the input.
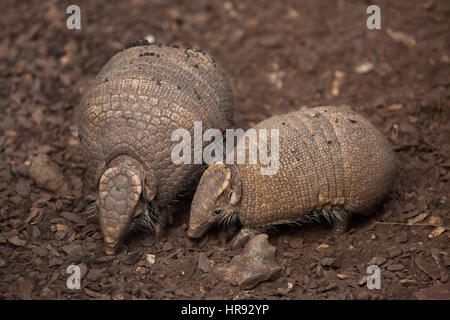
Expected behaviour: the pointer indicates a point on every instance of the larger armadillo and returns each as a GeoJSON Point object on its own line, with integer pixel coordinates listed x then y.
{"type": "Point", "coordinates": [125, 122]}
{"type": "Point", "coordinates": [330, 161]}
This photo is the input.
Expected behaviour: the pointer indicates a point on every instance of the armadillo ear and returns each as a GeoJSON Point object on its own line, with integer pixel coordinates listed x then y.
{"type": "Point", "coordinates": [217, 177]}
{"type": "Point", "coordinates": [236, 186]}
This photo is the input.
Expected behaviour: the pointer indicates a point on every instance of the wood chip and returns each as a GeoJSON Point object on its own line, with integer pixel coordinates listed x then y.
{"type": "Point", "coordinates": [436, 232]}
{"type": "Point", "coordinates": [17, 241]}
{"type": "Point", "coordinates": [418, 218]}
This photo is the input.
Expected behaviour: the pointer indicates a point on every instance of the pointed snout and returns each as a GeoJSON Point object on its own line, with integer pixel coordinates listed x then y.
{"type": "Point", "coordinates": [111, 246]}
{"type": "Point", "coordinates": [200, 219]}
{"type": "Point", "coordinates": [195, 233]}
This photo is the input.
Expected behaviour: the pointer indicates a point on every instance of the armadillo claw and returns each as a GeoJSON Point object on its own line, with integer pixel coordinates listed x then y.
{"type": "Point", "coordinates": [119, 192]}
{"type": "Point", "coordinates": [165, 218]}
{"type": "Point", "coordinates": [340, 227]}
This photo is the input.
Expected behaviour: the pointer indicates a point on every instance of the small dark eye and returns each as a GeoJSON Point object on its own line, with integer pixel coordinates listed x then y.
{"type": "Point", "coordinates": [217, 211]}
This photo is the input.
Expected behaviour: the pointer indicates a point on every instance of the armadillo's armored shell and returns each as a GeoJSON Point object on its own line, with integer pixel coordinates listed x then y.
{"type": "Point", "coordinates": [140, 97]}
{"type": "Point", "coordinates": [328, 159]}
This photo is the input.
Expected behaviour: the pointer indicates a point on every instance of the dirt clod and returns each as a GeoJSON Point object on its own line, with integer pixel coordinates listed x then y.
{"type": "Point", "coordinates": [254, 265]}
{"type": "Point", "coordinates": [203, 262]}
{"type": "Point", "coordinates": [48, 175]}
{"type": "Point", "coordinates": [243, 236]}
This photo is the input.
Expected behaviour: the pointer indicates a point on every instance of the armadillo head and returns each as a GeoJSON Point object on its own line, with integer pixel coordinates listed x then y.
{"type": "Point", "coordinates": [120, 189]}
{"type": "Point", "coordinates": [216, 199]}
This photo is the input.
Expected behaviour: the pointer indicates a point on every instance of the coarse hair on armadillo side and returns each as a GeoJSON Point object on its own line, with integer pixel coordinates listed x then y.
{"type": "Point", "coordinates": [229, 220]}
{"type": "Point", "coordinates": [150, 217]}
{"type": "Point", "coordinates": [317, 216]}
{"type": "Point", "coordinates": [329, 216]}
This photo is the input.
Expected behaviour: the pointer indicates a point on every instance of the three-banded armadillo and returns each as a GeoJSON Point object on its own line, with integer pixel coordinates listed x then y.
{"type": "Point", "coordinates": [125, 122]}
{"type": "Point", "coordinates": [330, 160]}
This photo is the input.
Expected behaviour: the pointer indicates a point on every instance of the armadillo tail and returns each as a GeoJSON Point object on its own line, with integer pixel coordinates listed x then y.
{"type": "Point", "coordinates": [120, 188]}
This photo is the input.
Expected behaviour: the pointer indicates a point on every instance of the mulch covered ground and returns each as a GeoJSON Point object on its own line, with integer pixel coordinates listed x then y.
{"type": "Point", "coordinates": [280, 56]}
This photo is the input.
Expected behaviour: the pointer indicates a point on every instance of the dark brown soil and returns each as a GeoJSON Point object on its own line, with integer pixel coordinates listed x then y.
{"type": "Point", "coordinates": [279, 55]}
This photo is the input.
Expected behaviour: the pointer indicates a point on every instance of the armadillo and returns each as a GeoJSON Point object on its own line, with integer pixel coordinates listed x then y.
{"type": "Point", "coordinates": [125, 121]}
{"type": "Point", "coordinates": [331, 161]}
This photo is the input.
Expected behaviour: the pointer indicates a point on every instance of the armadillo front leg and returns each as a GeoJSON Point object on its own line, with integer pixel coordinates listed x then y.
{"type": "Point", "coordinates": [165, 218]}
{"type": "Point", "coordinates": [244, 235]}
{"type": "Point", "coordinates": [120, 188]}
{"type": "Point", "coordinates": [341, 222]}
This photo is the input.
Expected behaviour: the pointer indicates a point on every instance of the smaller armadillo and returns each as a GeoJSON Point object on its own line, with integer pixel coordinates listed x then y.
{"type": "Point", "coordinates": [330, 161]}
